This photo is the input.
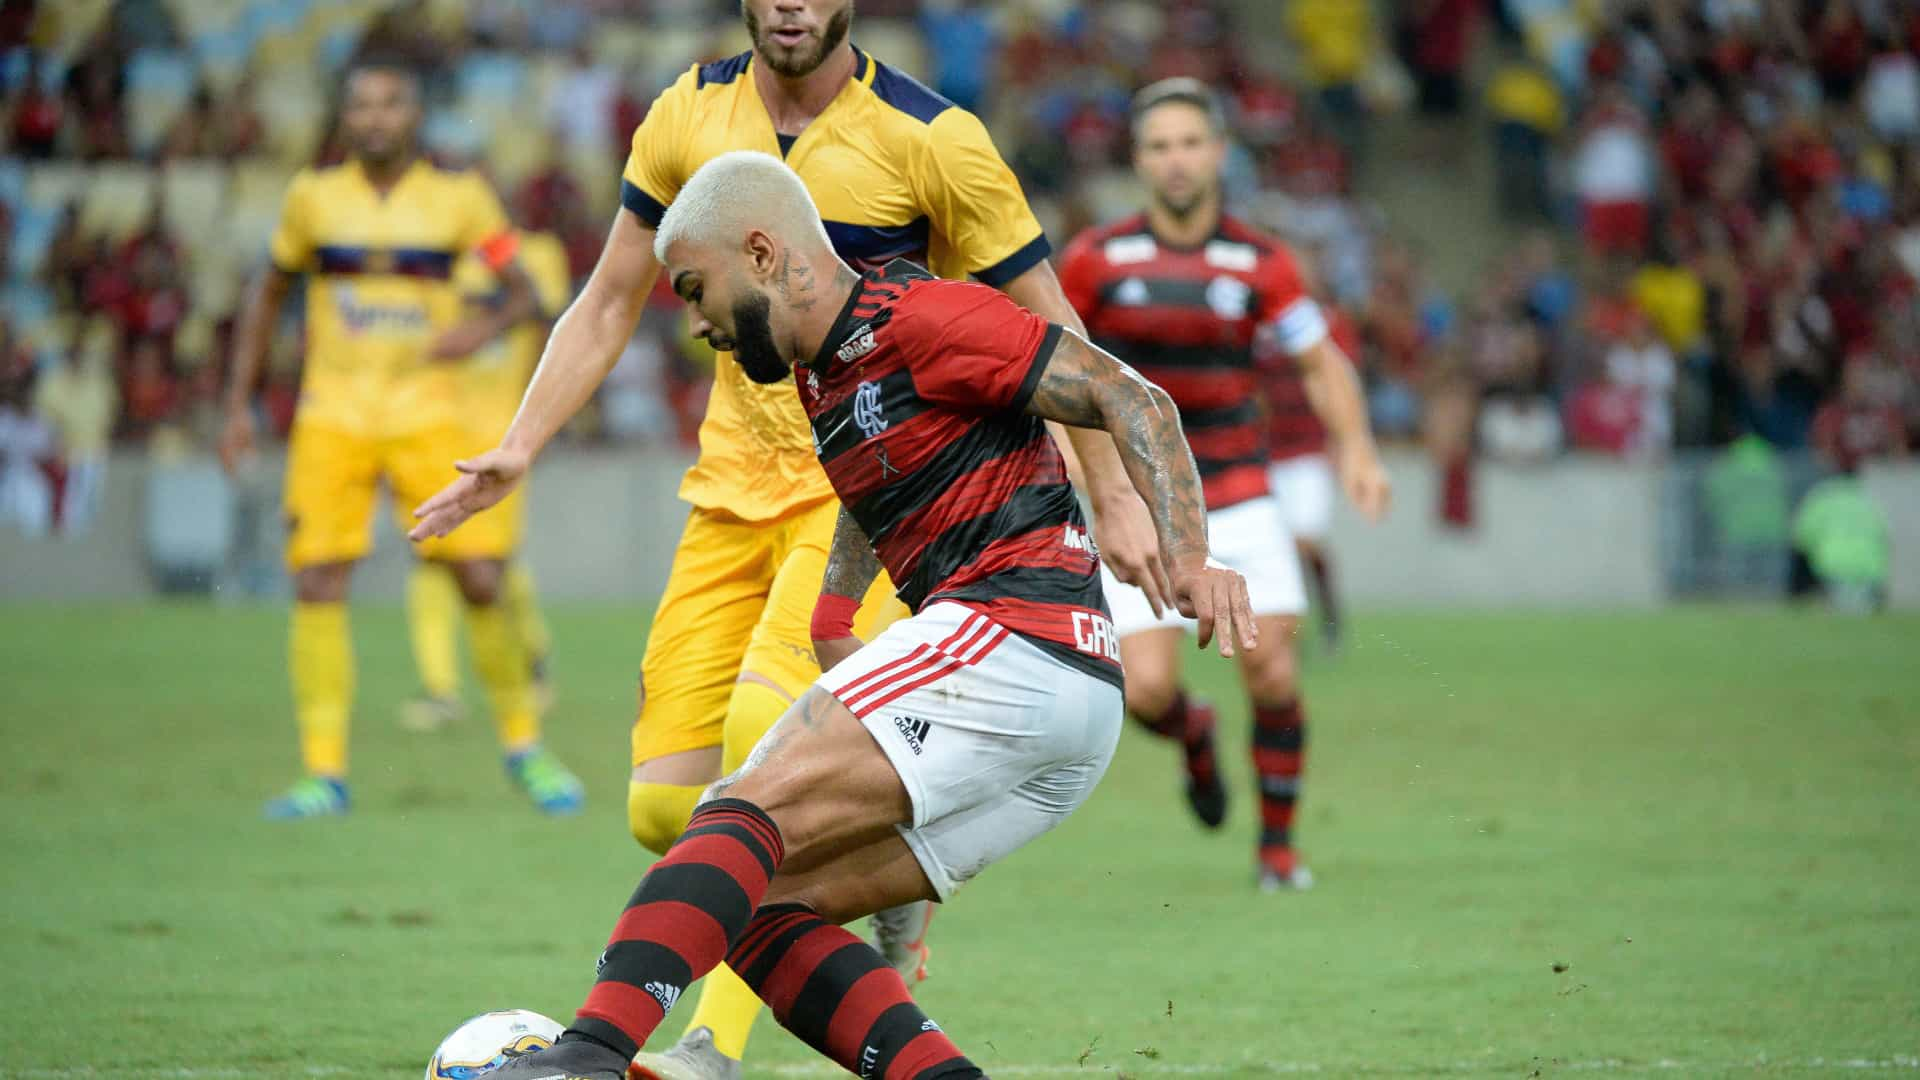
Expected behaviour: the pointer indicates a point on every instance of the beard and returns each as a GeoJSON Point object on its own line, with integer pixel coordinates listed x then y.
{"type": "Point", "coordinates": [753, 344]}
{"type": "Point", "coordinates": [802, 61]}
{"type": "Point", "coordinates": [1183, 206]}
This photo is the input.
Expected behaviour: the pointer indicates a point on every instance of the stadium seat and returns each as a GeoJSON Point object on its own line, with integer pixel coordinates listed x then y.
{"type": "Point", "coordinates": [492, 79]}
{"type": "Point", "coordinates": [33, 231]}
{"type": "Point", "coordinates": [65, 27]}
{"type": "Point", "coordinates": [54, 185]}
{"type": "Point", "coordinates": [897, 42]}
{"type": "Point", "coordinates": [118, 200]}
{"type": "Point", "coordinates": [13, 181]}
{"type": "Point", "coordinates": [159, 83]}
{"type": "Point", "coordinates": [252, 209]}
{"type": "Point", "coordinates": [192, 194]}
{"type": "Point", "coordinates": [223, 54]}
{"type": "Point", "coordinates": [24, 302]}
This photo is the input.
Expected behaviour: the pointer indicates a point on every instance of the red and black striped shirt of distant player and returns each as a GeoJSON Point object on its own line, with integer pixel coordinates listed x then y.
{"type": "Point", "coordinates": [1187, 318]}
{"type": "Point", "coordinates": [917, 401]}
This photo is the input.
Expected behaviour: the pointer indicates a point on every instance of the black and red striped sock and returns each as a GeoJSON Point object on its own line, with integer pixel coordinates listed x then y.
{"type": "Point", "coordinates": [1191, 723]}
{"type": "Point", "coordinates": [689, 909]}
{"type": "Point", "coordinates": [839, 996]}
{"type": "Point", "coordinates": [1279, 753]}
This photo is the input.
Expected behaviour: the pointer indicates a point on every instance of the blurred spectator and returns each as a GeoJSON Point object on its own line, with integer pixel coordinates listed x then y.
{"type": "Point", "coordinates": [1891, 98]}
{"type": "Point", "coordinates": [962, 42]}
{"type": "Point", "coordinates": [1841, 540]}
{"type": "Point", "coordinates": [1336, 40]}
{"type": "Point", "coordinates": [78, 401]}
{"type": "Point", "coordinates": [26, 447]}
{"type": "Point", "coordinates": [1613, 176]}
{"type": "Point", "coordinates": [1857, 425]}
{"type": "Point", "coordinates": [1528, 113]}
{"type": "Point", "coordinates": [37, 114]}
{"type": "Point", "coordinates": [152, 393]}
{"type": "Point", "coordinates": [1435, 38]}
{"type": "Point", "coordinates": [1641, 368]}
{"type": "Point", "coordinates": [581, 108]}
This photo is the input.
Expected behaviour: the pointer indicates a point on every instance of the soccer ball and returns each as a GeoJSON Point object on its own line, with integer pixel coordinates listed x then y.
{"type": "Point", "coordinates": [490, 1040]}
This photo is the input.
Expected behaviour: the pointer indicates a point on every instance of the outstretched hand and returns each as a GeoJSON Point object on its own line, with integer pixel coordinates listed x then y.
{"type": "Point", "coordinates": [1215, 598]}
{"type": "Point", "coordinates": [484, 481]}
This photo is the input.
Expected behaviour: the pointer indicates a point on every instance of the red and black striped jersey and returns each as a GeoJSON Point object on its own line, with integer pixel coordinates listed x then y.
{"type": "Point", "coordinates": [1293, 428]}
{"type": "Point", "coordinates": [1186, 318]}
{"type": "Point", "coordinates": [917, 401]}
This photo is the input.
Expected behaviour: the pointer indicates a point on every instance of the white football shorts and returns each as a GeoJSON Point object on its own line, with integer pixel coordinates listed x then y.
{"type": "Point", "coordinates": [995, 740]}
{"type": "Point", "coordinates": [1250, 537]}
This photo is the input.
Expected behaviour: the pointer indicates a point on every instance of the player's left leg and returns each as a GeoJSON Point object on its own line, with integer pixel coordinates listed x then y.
{"type": "Point", "coordinates": [530, 622]}
{"type": "Point", "coordinates": [476, 553]}
{"type": "Point", "coordinates": [433, 620]}
{"type": "Point", "coordinates": [777, 667]}
{"type": "Point", "coordinates": [819, 791]}
{"type": "Point", "coordinates": [1251, 537]}
{"type": "Point", "coordinates": [1150, 653]}
{"type": "Point", "coordinates": [1304, 487]}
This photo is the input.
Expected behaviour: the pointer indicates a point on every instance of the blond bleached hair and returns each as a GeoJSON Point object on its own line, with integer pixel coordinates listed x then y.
{"type": "Point", "coordinates": [735, 192]}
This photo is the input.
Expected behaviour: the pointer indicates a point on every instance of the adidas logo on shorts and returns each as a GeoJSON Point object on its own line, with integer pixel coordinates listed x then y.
{"type": "Point", "coordinates": [914, 730]}
{"type": "Point", "coordinates": [664, 993]}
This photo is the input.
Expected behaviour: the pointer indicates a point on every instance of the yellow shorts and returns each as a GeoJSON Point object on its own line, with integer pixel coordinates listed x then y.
{"type": "Point", "coordinates": [333, 478]}
{"type": "Point", "coordinates": [739, 599]}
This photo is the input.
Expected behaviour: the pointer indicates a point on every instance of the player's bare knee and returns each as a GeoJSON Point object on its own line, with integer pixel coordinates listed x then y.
{"type": "Point", "coordinates": [1271, 679]}
{"type": "Point", "coordinates": [1149, 696]}
{"type": "Point", "coordinates": [325, 583]}
{"type": "Point", "coordinates": [479, 580]}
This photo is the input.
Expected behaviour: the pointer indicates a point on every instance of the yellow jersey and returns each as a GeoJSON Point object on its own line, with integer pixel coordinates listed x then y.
{"type": "Point", "coordinates": [897, 172]}
{"type": "Point", "coordinates": [495, 378]}
{"type": "Point", "coordinates": [379, 271]}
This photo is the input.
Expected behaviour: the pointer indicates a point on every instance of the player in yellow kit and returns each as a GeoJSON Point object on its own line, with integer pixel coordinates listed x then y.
{"type": "Point", "coordinates": [897, 172]}
{"type": "Point", "coordinates": [377, 239]}
{"type": "Point", "coordinates": [494, 379]}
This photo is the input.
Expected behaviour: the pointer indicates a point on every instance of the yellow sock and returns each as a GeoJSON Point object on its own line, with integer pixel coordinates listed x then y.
{"type": "Point", "coordinates": [502, 665]}
{"type": "Point", "coordinates": [524, 603]}
{"type": "Point", "coordinates": [728, 1006]}
{"type": "Point", "coordinates": [433, 610]}
{"type": "Point", "coordinates": [658, 813]}
{"type": "Point", "coordinates": [752, 711]}
{"type": "Point", "coordinates": [320, 661]}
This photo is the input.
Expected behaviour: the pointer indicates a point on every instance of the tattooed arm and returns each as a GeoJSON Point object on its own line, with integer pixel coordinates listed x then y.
{"type": "Point", "coordinates": [1084, 386]}
{"type": "Point", "coordinates": [851, 569]}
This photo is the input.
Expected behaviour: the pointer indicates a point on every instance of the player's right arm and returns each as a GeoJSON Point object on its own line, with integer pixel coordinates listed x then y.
{"type": "Point", "coordinates": [852, 568]}
{"type": "Point", "coordinates": [291, 250]}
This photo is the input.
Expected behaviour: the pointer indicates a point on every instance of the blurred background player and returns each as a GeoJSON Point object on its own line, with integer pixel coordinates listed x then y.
{"type": "Point", "coordinates": [897, 172]}
{"type": "Point", "coordinates": [493, 380]}
{"type": "Point", "coordinates": [381, 400]}
{"type": "Point", "coordinates": [1180, 292]}
{"type": "Point", "coordinates": [1301, 474]}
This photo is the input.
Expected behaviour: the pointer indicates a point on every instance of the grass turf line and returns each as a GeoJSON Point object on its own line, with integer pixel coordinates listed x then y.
{"type": "Point", "coordinates": [1706, 816]}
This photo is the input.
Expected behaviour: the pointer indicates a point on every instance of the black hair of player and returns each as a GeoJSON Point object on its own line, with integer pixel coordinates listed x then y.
{"type": "Point", "coordinates": [384, 64]}
{"type": "Point", "coordinates": [1180, 90]}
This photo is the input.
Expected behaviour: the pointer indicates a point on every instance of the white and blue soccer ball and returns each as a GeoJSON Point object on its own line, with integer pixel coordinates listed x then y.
{"type": "Point", "coordinates": [489, 1041]}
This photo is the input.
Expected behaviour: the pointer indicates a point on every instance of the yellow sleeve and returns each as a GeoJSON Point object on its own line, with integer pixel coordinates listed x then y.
{"type": "Point", "coordinates": [975, 201]}
{"type": "Point", "coordinates": [485, 218]}
{"type": "Point", "coordinates": [657, 165]}
{"type": "Point", "coordinates": [292, 245]}
{"type": "Point", "coordinates": [544, 259]}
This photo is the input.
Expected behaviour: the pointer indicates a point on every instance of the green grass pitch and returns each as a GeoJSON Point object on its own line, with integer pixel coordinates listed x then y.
{"type": "Point", "coordinates": [1685, 844]}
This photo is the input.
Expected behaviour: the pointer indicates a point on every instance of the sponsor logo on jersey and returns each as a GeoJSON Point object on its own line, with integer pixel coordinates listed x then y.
{"type": "Point", "coordinates": [1093, 634]}
{"type": "Point", "coordinates": [1132, 293]}
{"type": "Point", "coordinates": [1130, 249]}
{"type": "Point", "coordinates": [914, 730]}
{"type": "Point", "coordinates": [1228, 297]}
{"type": "Point", "coordinates": [1230, 256]}
{"type": "Point", "coordinates": [664, 993]}
{"type": "Point", "coordinates": [867, 413]}
{"type": "Point", "coordinates": [1076, 539]}
{"type": "Point", "coordinates": [368, 318]}
{"type": "Point", "coordinates": [859, 344]}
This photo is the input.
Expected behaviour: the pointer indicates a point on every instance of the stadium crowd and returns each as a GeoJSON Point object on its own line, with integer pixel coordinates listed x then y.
{"type": "Point", "coordinates": [1713, 208]}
